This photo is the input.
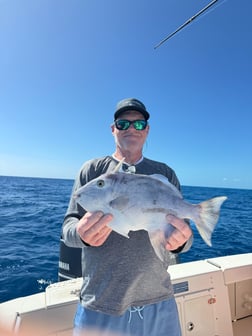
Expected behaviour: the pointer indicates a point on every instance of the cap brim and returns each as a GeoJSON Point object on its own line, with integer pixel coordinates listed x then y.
{"type": "Point", "coordinates": [133, 108]}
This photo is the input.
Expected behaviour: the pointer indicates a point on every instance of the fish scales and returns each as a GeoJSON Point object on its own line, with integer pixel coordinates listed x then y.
{"type": "Point", "coordinates": [142, 202]}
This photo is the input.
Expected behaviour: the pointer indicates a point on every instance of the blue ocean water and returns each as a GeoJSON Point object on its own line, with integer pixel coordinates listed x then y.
{"type": "Point", "coordinates": [31, 215]}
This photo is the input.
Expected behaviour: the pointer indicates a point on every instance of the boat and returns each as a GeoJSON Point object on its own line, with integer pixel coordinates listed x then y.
{"type": "Point", "coordinates": [214, 298]}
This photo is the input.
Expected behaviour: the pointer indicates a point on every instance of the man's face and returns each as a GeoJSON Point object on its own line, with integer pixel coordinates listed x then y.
{"type": "Point", "coordinates": [131, 139]}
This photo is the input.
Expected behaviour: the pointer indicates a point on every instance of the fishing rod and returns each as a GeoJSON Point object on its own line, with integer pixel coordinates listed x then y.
{"type": "Point", "coordinates": [186, 23]}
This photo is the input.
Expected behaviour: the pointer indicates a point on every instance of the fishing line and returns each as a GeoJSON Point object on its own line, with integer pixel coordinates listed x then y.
{"type": "Point", "coordinates": [203, 10]}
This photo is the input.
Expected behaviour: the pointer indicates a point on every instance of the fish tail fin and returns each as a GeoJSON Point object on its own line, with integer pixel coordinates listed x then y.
{"type": "Point", "coordinates": [208, 216]}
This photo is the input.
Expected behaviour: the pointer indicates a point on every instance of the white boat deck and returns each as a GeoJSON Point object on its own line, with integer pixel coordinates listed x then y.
{"type": "Point", "coordinates": [214, 298]}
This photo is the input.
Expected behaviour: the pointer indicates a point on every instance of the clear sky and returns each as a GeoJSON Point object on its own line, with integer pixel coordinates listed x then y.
{"type": "Point", "coordinates": [64, 64]}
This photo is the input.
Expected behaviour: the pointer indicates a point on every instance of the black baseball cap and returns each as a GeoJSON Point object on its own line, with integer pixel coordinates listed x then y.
{"type": "Point", "coordinates": [131, 104]}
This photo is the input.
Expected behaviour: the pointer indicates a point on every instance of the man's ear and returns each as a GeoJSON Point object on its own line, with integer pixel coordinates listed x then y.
{"type": "Point", "coordinates": [148, 128]}
{"type": "Point", "coordinates": [112, 128]}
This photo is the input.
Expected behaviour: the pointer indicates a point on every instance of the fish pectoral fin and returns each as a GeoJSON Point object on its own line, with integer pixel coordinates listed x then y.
{"type": "Point", "coordinates": [158, 241]}
{"type": "Point", "coordinates": [119, 203]}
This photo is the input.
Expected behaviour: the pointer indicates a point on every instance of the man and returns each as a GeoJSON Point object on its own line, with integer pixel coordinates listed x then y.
{"type": "Point", "coordinates": [126, 288]}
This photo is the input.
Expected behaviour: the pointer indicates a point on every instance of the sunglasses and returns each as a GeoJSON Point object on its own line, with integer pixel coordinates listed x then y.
{"type": "Point", "coordinates": [123, 125]}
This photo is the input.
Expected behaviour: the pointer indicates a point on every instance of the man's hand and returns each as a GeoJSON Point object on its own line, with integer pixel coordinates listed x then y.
{"type": "Point", "coordinates": [180, 235]}
{"type": "Point", "coordinates": [92, 228]}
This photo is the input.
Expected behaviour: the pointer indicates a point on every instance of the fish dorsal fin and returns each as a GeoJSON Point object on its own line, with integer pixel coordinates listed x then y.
{"type": "Point", "coordinates": [119, 165]}
{"type": "Point", "coordinates": [164, 179]}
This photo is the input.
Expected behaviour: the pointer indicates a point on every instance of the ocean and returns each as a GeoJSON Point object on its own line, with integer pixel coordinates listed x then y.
{"type": "Point", "coordinates": [31, 215]}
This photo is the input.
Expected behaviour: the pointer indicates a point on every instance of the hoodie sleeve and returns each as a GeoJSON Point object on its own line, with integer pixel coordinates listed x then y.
{"type": "Point", "coordinates": [75, 212]}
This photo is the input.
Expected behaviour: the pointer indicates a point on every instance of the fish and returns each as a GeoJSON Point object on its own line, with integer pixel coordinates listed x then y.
{"type": "Point", "coordinates": [142, 202]}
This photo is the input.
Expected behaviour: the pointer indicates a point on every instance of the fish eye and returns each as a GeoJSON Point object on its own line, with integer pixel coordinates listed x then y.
{"type": "Point", "coordinates": [100, 183]}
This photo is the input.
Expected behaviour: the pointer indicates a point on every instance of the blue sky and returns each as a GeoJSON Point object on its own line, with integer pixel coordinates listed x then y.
{"type": "Point", "coordinates": [65, 64]}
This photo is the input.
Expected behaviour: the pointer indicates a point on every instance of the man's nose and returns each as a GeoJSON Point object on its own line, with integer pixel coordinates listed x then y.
{"type": "Point", "coordinates": [131, 126]}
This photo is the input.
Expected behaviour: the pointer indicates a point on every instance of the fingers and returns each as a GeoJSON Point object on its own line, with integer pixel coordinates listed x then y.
{"type": "Point", "coordinates": [93, 229]}
{"type": "Point", "coordinates": [180, 235]}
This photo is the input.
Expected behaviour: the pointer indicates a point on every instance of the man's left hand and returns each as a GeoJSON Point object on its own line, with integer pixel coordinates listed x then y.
{"type": "Point", "coordinates": [180, 235]}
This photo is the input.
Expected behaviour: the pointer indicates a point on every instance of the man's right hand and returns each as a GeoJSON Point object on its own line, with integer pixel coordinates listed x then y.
{"type": "Point", "coordinates": [93, 228]}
